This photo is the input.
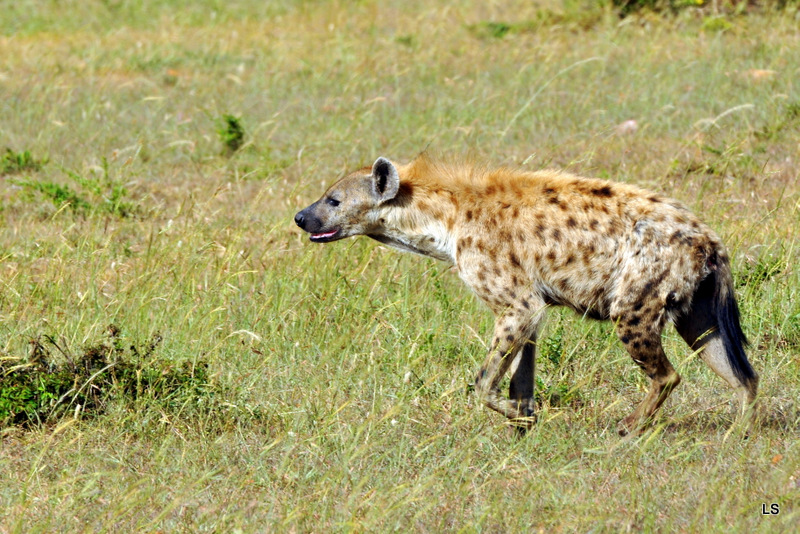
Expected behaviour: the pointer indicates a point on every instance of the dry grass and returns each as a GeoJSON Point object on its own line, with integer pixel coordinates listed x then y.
{"type": "Point", "coordinates": [354, 361]}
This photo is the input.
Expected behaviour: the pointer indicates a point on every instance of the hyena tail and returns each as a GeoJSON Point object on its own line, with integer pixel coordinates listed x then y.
{"type": "Point", "coordinates": [729, 326]}
{"type": "Point", "coordinates": [712, 323]}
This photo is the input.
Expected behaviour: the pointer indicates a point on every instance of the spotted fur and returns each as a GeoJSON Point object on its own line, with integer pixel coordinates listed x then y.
{"type": "Point", "coordinates": [523, 241]}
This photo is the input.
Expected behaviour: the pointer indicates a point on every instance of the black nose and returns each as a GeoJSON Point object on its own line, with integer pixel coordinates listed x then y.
{"type": "Point", "coordinates": [299, 219]}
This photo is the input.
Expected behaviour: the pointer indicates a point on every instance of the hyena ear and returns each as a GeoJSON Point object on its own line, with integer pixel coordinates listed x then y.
{"type": "Point", "coordinates": [385, 180]}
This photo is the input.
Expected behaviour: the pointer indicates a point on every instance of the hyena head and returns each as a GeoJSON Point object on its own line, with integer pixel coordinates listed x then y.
{"type": "Point", "coordinates": [349, 207]}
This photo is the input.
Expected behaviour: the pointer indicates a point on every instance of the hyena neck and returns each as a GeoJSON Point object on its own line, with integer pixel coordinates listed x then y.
{"type": "Point", "coordinates": [408, 229]}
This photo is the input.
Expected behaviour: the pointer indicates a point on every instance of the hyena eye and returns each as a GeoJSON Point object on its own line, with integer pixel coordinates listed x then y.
{"type": "Point", "coordinates": [332, 201]}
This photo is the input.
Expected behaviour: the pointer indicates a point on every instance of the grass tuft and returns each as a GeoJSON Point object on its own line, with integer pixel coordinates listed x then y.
{"type": "Point", "coordinates": [231, 133]}
{"type": "Point", "coordinates": [104, 194]}
{"type": "Point", "coordinates": [17, 162]}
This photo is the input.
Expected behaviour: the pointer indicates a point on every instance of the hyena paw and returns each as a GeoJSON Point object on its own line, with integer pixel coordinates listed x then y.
{"type": "Point", "coordinates": [528, 409]}
{"type": "Point", "coordinates": [622, 429]}
{"type": "Point", "coordinates": [527, 416]}
{"type": "Point", "coordinates": [631, 426]}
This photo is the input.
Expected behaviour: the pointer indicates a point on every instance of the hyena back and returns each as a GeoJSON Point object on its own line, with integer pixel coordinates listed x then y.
{"type": "Point", "coordinates": [523, 241]}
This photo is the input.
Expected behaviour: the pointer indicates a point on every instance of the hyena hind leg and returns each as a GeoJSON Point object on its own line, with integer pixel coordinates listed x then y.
{"type": "Point", "coordinates": [643, 342]}
{"type": "Point", "coordinates": [701, 328]}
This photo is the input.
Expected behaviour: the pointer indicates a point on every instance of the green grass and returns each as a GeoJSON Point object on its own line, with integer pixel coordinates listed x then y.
{"type": "Point", "coordinates": [343, 370]}
{"type": "Point", "coordinates": [15, 162]}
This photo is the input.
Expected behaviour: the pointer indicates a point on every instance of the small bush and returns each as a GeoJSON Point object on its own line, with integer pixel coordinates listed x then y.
{"type": "Point", "coordinates": [37, 389]}
{"type": "Point", "coordinates": [231, 133]}
{"type": "Point", "coordinates": [16, 162]}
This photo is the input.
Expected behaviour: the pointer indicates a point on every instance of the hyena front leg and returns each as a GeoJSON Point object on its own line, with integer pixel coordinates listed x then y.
{"type": "Point", "coordinates": [523, 374]}
{"type": "Point", "coordinates": [640, 332]}
{"type": "Point", "coordinates": [523, 370]}
{"type": "Point", "coordinates": [514, 332]}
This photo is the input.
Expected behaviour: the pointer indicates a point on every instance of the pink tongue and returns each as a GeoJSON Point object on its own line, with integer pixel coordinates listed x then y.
{"type": "Point", "coordinates": [328, 234]}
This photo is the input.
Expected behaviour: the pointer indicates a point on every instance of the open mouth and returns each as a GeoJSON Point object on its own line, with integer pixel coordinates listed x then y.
{"type": "Point", "coordinates": [324, 236]}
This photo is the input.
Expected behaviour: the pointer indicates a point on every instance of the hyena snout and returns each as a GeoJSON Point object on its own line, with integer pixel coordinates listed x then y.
{"type": "Point", "coordinates": [320, 230]}
{"type": "Point", "coordinates": [300, 219]}
{"type": "Point", "coordinates": [309, 220]}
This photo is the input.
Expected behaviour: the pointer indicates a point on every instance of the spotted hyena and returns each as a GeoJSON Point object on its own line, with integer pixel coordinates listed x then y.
{"type": "Point", "coordinates": [523, 241]}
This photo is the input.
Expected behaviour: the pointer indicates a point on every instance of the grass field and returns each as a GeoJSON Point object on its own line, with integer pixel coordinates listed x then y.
{"type": "Point", "coordinates": [336, 395]}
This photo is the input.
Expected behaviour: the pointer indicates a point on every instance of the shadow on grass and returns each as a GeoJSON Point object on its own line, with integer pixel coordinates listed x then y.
{"type": "Point", "coordinates": [773, 415]}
